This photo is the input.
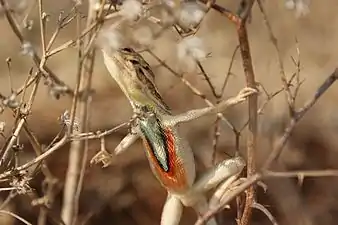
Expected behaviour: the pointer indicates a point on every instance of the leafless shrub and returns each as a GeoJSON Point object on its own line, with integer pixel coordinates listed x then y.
{"type": "Point", "coordinates": [144, 25]}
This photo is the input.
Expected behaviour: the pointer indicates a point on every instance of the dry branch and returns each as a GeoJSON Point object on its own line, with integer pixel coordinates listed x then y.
{"type": "Point", "coordinates": [263, 172]}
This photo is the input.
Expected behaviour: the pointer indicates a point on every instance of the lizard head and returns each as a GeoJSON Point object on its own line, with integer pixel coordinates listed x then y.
{"type": "Point", "coordinates": [135, 77]}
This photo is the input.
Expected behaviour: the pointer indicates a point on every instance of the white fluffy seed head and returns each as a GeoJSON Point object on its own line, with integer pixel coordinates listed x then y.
{"type": "Point", "coordinates": [27, 49]}
{"type": "Point", "coordinates": [170, 3]}
{"type": "Point", "coordinates": [2, 126]}
{"type": "Point", "coordinates": [109, 39]}
{"type": "Point", "coordinates": [18, 6]}
{"type": "Point", "coordinates": [191, 47]}
{"type": "Point", "coordinates": [97, 6]}
{"type": "Point", "coordinates": [143, 36]}
{"type": "Point", "coordinates": [167, 18]}
{"type": "Point", "coordinates": [302, 8]}
{"type": "Point", "coordinates": [78, 2]}
{"type": "Point", "coordinates": [190, 14]}
{"type": "Point", "coordinates": [131, 9]}
{"type": "Point", "coordinates": [289, 4]}
{"type": "Point", "coordinates": [190, 50]}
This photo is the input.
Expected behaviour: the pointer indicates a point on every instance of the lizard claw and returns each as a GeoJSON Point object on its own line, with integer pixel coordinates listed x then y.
{"type": "Point", "coordinates": [246, 92]}
{"type": "Point", "coordinates": [216, 202]}
{"type": "Point", "coordinates": [241, 96]}
{"type": "Point", "coordinates": [103, 157]}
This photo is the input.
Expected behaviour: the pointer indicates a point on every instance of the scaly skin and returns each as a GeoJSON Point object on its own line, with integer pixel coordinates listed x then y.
{"type": "Point", "coordinates": [168, 165]}
{"type": "Point", "coordinates": [169, 154]}
{"type": "Point", "coordinates": [137, 81]}
{"type": "Point", "coordinates": [135, 78]}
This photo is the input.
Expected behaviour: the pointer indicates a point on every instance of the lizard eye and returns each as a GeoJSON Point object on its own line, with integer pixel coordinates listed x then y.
{"type": "Point", "coordinates": [135, 62]}
{"type": "Point", "coordinates": [127, 50]}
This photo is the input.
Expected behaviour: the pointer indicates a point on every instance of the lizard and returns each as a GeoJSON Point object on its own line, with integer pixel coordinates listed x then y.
{"type": "Point", "coordinates": [169, 154]}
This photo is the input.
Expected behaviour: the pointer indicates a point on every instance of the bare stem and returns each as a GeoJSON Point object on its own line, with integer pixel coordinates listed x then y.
{"type": "Point", "coordinates": [73, 186]}
{"type": "Point", "coordinates": [40, 63]}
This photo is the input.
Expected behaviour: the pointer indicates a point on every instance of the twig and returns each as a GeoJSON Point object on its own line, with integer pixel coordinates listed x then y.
{"type": "Point", "coordinates": [219, 97]}
{"type": "Point", "coordinates": [20, 124]}
{"type": "Point", "coordinates": [50, 180]}
{"type": "Point", "coordinates": [97, 134]}
{"type": "Point", "coordinates": [72, 185]}
{"type": "Point", "coordinates": [8, 62]}
{"type": "Point", "coordinates": [84, 33]}
{"type": "Point", "coordinates": [42, 20]}
{"type": "Point", "coordinates": [302, 173]}
{"type": "Point", "coordinates": [274, 41]}
{"type": "Point", "coordinates": [264, 210]}
{"type": "Point", "coordinates": [38, 159]}
{"type": "Point", "coordinates": [253, 107]}
{"type": "Point", "coordinates": [12, 141]}
{"type": "Point", "coordinates": [37, 60]}
{"type": "Point", "coordinates": [193, 89]}
{"type": "Point", "coordinates": [207, 78]}
{"type": "Point", "coordinates": [7, 189]}
{"type": "Point", "coordinates": [9, 197]}
{"type": "Point", "coordinates": [229, 70]}
{"type": "Point", "coordinates": [276, 151]}
{"type": "Point", "coordinates": [240, 22]}
{"type": "Point", "coordinates": [297, 116]}
{"type": "Point", "coordinates": [264, 104]}
{"type": "Point", "coordinates": [62, 22]}
{"type": "Point", "coordinates": [225, 12]}
{"type": "Point", "coordinates": [68, 213]}
{"type": "Point", "coordinates": [15, 216]}
{"type": "Point", "coordinates": [245, 185]}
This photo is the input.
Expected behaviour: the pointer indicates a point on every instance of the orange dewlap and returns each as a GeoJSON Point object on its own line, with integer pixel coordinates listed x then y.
{"type": "Point", "coordinates": [175, 178]}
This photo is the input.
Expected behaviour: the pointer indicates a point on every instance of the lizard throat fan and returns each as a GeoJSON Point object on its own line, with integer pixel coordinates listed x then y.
{"type": "Point", "coordinates": [160, 147]}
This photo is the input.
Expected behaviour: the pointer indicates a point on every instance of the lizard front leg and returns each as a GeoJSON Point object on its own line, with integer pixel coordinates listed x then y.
{"type": "Point", "coordinates": [126, 142]}
{"type": "Point", "coordinates": [170, 120]}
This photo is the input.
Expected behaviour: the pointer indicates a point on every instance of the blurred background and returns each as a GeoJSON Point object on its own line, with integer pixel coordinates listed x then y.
{"type": "Point", "coordinates": [126, 192]}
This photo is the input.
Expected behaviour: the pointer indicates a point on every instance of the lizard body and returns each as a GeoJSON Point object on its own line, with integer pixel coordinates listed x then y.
{"type": "Point", "coordinates": [169, 154]}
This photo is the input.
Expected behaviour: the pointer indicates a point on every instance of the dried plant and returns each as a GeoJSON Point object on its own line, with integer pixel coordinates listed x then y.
{"type": "Point", "coordinates": [147, 26]}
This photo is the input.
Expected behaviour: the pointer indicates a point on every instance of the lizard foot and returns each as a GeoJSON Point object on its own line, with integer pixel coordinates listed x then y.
{"type": "Point", "coordinates": [246, 92]}
{"type": "Point", "coordinates": [240, 97]}
{"type": "Point", "coordinates": [215, 202]}
{"type": "Point", "coordinates": [103, 157]}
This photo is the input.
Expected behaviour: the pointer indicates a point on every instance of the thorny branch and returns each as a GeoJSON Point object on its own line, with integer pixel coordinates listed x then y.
{"type": "Point", "coordinates": [23, 113]}
{"type": "Point", "coordinates": [264, 171]}
{"type": "Point", "coordinates": [240, 22]}
{"type": "Point", "coordinates": [274, 41]}
{"type": "Point", "coordinates": [253, 106]}
{"type": "Point", "coordinates": [219, 99]}
{"type": "Point", "coordinates": [298, 116]}
{"type": "Point", "coordinates": [56, 146]}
